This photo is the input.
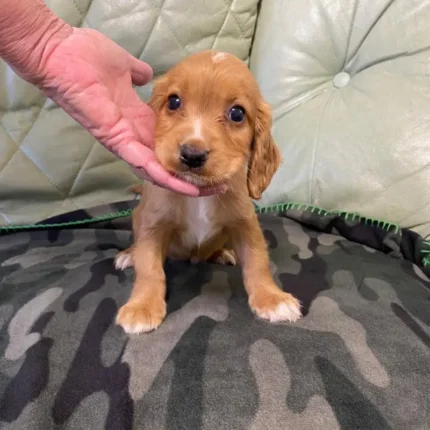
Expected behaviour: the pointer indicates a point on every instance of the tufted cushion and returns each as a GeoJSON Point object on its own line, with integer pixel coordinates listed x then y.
{"type": "Point", "coordinates": [48, 163]}
{"type": "Point", "coordinates": [349, 83]}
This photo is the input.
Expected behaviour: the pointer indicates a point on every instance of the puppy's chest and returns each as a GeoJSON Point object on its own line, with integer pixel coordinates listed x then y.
{"type": "Point", "coordinates": [200, 221]}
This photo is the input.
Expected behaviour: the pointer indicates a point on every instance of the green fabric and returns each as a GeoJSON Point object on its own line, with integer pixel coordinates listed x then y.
{"type": "Point", "coordinates": [358, 359]}
{"type": "Point", "coordinates": [362, 147]}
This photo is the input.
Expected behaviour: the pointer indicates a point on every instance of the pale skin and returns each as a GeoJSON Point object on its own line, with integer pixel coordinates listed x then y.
{"type": "Point", "coordinates": [91, 78]}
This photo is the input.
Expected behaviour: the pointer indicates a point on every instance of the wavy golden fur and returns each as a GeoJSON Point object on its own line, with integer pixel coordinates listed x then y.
{"type": "Point", "coordinates": [213, 127]}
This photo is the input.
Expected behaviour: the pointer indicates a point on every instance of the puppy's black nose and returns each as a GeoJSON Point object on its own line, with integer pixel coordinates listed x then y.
{"type": "Point", "coordinates": [192, 157]}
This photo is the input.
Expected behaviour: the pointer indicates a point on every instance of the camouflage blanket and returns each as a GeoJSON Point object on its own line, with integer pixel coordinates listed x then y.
{"type": "Point", "coordinates": [359, 359]}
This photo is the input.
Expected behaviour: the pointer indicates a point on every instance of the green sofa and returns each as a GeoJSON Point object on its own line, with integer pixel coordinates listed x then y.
{"type": "Point", "coordinates": [346, 218]}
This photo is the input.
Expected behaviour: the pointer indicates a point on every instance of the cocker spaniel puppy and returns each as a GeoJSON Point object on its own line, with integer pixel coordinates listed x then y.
{"type": "Point", "coordinates": [213, 127]}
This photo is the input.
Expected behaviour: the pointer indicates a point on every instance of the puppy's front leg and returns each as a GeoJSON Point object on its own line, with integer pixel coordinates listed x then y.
{"type": "Point", "coordinates": [266, 299]}
{"type": "Point", "coordinates": [146, 307]}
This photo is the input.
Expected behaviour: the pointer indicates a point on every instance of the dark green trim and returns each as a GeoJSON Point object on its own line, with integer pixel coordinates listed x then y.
{"type": "Point", "coordinates": [107, 217]}
{"type": "Point", "coordinates": [426, 254]}
{"type": "Point", "coordinates": [259, 209]}
{"type": "Point", "coordinates": [314, 209]}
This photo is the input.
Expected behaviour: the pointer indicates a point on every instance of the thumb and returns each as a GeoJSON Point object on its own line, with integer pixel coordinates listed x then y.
{"type": "Point", "coordinates": [141, 73]}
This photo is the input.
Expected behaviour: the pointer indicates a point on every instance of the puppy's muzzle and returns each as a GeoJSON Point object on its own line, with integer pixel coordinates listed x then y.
{"type": "Point", "coordinates": [192, 157]}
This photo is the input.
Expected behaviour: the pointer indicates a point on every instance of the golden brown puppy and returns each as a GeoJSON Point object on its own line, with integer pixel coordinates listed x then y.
{"type": "Point", "coordinates": [213, 127]}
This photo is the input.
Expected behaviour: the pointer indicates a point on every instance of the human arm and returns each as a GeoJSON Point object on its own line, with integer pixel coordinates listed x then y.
{"type": "Point", "coordinates": [91, 78]}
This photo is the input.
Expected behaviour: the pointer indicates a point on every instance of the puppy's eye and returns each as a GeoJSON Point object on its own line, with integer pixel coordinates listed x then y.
{"type": "Point", "coordinates": [174, 102]}
{"type": "Point", "coordinates": [236, 114]}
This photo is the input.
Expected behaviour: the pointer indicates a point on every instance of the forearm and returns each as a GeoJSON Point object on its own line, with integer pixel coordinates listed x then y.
{"type": "Point", "coordinates": [29, 32]}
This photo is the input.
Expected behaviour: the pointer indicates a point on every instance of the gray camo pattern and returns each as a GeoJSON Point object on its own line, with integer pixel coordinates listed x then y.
{"type": "Point", "coordinates": [359, 359]}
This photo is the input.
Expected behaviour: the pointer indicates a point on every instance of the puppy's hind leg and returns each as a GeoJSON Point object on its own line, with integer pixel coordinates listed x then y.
{"type": "Point", "coordinates": [124, 259]}
{"type": "Point", "coordinates": [224, 256]}
{"type": "Point", "coordinates": [215, 251]}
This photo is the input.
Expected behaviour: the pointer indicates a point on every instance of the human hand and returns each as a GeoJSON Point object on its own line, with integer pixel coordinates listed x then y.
{"type": "Point", "coordinates": [91, 77]}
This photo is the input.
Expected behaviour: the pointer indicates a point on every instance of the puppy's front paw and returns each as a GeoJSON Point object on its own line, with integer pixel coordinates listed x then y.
{"type": "Point", "coordinates": [279, 306]}
{"type": "Point", "coordinates": [141, 317]}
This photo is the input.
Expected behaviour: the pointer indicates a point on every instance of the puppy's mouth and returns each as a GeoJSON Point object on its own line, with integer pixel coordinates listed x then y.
{"type": "Point", "coordinates": [195, 177]}
{"type": "Point", "coordinates": [200, 172]}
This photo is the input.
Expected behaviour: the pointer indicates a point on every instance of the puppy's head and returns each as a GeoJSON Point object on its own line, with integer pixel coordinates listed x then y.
{"type": "Point", "coordinates": [212, 121]}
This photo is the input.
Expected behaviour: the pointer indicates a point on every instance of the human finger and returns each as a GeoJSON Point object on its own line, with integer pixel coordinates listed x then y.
{"type": "Point", "coordinates": [139, 156]}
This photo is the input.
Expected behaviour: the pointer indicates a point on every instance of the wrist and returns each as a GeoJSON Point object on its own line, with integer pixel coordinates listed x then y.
{"type": "Point", "coordinates": [29, 32]}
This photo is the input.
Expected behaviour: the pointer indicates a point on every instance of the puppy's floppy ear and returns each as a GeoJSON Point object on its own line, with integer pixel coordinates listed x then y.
{"type": "Point", "coordinates": [158, 96]}
{"type": "Point", "coordinates": [265, 157]}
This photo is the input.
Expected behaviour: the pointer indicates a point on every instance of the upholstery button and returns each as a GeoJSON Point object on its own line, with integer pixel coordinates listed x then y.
{"type": "Point", "coordinates": [341, 79]}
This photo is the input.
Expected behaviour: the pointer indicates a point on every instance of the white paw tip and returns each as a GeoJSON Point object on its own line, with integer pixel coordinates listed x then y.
{"type": "Point", "coordinates": [122, 261]}
{"type": "Point", "coordinates": [283, 312]}
{"type": "Point", "coordinates": [137, 328]}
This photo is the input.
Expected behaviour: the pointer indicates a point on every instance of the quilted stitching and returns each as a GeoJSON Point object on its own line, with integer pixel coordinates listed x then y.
{"type": "Point", "coordinates": [175, 36]}
{"type": "Point", "coordinates": [236, 21]}
{"type": "Point", "coordinates": [82, 11]}
{"type": "Point", "coordinates": [48, 164]}
{"type": "Point", "coordinates": [362, 147]}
